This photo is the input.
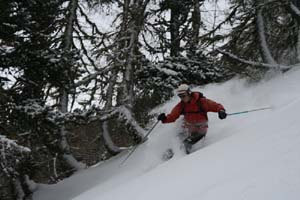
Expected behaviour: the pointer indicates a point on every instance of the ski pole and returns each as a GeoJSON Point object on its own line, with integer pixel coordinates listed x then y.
{"type": "Point", "coordinates": [247, 111]}
{"type": "Point", "coordinates": [145, 137]}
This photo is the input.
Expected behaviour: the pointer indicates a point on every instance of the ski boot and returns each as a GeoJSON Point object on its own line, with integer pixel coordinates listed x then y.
{"type": "Point", "coordinates": [168, 154]}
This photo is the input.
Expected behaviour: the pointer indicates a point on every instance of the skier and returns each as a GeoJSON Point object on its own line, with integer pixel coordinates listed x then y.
{"type": "Point", "coordinates": [194, 106]}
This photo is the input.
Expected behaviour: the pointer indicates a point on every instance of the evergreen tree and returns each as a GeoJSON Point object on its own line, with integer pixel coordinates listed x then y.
{"type": "Point", "coordinates": [183, 58]}
{"type": "Point", "coordinates": [52, 54]}
{"type": "Point", "coordinates": [32, 64]}
{"type": "Point", "coordinates": [263, 32]}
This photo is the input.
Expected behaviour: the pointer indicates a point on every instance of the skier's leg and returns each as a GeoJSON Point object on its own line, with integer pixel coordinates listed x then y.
{"type": "Point", "coordinates": [197, 137]}
{"type": "Point", "coordinates": [193, 139]}
{"type": "Point", "coordinates": [187, 145]}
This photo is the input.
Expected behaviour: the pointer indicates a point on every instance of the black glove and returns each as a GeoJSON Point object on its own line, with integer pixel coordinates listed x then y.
{"type": "Point", "coordinates": [161, 117]}
{"type": "Point", "coordinates": [222, 114]}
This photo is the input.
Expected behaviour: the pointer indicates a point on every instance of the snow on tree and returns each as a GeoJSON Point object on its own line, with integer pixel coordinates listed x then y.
{"type": "Point", "coordinates": [61, 69]}
{"type": "Point", "coordinates": [12, 156]}
{"type": "Point", "coordinates": [263, 32]}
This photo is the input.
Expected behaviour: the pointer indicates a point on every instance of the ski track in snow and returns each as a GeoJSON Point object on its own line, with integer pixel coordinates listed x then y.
{"type": "Point", "coordinates": [247, 156]}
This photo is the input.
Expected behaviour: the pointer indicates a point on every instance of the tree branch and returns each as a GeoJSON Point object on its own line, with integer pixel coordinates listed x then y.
{"type": "Point", "coordinates": [92, 76]}
{"type": "Point", "coordinates": [221, 24]}
{"type": "Point", "coordinates": [295, 9]}
{"type": "Point", "coordinates": [253, 63]}
{"type": "Point", "coordinates": [127, 114]}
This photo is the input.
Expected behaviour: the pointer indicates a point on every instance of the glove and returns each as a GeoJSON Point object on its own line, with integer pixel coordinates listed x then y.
{"type": "Point", "coordinates": [222, 114]}
{"type": "Point", "coordinates": [161, 117]}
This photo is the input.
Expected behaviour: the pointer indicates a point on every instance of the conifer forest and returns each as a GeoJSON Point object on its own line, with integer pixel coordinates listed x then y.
{"type": "Point", "coordinates": [78, 78]}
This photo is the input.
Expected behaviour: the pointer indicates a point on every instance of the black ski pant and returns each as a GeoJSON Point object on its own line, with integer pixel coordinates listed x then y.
{"type": "Point", "coordinates": [192, 139]}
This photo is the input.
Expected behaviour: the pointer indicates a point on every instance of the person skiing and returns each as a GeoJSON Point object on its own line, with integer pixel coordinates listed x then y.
{"type": "Point", "coordinates": [194, 106]}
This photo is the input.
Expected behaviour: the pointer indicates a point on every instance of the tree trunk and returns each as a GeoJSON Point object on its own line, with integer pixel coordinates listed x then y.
{"type": "Point", "coordinates": [20, 194]}
{"type": "Point", "coordinates": [196, 20]}
{"type": "Point", "coordinates": [174, 30]}
{"type": "Point", "coordinates": [64, 99]}
{"type": "Point", "coordinates": [266, 53]}
{"type": "Point", "coordinates": [135, 24]}
{"type": "Point", "coordinates": [295, 7]}
{"type": "Point", "coordinates": [126, 56]}
{"type": "Point", "coordinates": [133, 15]}
{"type": "Point", "coordinates": [109, 144]}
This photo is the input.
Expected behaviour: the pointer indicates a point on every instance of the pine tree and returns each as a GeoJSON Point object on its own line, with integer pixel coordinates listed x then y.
{"type": "Point", "coordinates": [183, 59]}
{"type": "Point", "coordinates": [263, 32]}
{"type": "Point", "coordinates": [32, 64]}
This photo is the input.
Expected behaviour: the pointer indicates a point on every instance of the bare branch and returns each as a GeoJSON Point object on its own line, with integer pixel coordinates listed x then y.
{"type": "Point", "coordinates": [85, 51]}
{"type": "Point", "coordinates": [228, 18]}
{"type": "Point", "coordinates": [92, 76]}
{"type": "Point", "coordinates": [94, 26]}
{"type": "Point", "coordinates": [253, 63]}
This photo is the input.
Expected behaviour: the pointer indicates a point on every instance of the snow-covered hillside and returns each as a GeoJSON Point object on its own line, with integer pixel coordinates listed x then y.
{"type": "Point", "coordinates": [248, 156]}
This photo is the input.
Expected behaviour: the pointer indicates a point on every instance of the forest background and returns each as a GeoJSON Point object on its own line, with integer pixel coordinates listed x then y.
{"type": "Point", "coordinates": [78, 78]}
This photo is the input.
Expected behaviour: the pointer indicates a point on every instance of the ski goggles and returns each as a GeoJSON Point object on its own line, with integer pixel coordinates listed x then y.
{"type": "Point", "coordinates": [181, 96]}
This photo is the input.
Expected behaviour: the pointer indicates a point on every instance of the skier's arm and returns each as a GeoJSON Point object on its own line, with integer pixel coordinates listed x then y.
{"type": "Point", "coordinates": [211, 106]}
{"type": "Point", "coordinates": [175, 113]}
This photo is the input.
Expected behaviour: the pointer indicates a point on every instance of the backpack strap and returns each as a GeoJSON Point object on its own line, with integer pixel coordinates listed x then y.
{"type": "Point", "coordinates": [182, 108]}
{"type": "Point", "coordinates": [198, 102]}
{"type": "Point", "coordinates": [201, 108]}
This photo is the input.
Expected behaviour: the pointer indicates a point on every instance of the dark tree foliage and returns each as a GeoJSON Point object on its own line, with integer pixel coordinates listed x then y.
{"type": "Point", "coordinates": [27, 45]}
{"type": "Point", "coordinates": [157, 81]}
{"type": "Point", "coordinates": [32, 63]}
{"type": "Point", "coordinates": [56, 54]}
{"type": "Point", "coordinates": [179, 14]}
{"type": "Point", "coordinates": [179, 44]}
{"type": "Point", "coordinates": [281, 31]}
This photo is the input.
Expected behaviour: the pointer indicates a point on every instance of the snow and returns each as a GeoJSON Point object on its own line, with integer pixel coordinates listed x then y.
{"type": "Point", "coordinates": [130, 119]}
{"type": "Point", "coordinates": [10, 144]}
{"type": "Point", "coordinates": [247, 156]}
{"type": "Point", "coordinates": [167, 71]}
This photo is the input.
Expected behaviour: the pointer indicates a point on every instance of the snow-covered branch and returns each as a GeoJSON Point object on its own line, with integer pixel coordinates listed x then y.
{"type": "Point", "coordinates": [11, 144]}
{"type": "Point", "coordinates": [35, 110]}
{"type": "Point", "coordinates": [111, 147]}
{"type": "Point", "coordinates": [127, 115]}
{"type": "Point", "coordinates": [10, 154]}
{"type": "Point", "coordinates": [253, 63]}
{"type": "Point", "coordinates": [295, 9]}
{"type": "Point", "coordinates": [92, 76]}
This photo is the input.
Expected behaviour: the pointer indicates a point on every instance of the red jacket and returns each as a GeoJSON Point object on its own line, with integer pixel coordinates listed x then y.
{"type": "Point", "coordinates": [191, 109]}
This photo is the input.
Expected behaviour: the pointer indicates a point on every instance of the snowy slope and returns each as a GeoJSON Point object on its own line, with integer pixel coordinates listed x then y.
{"type": "Point", "coordinates": [249, 156]}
